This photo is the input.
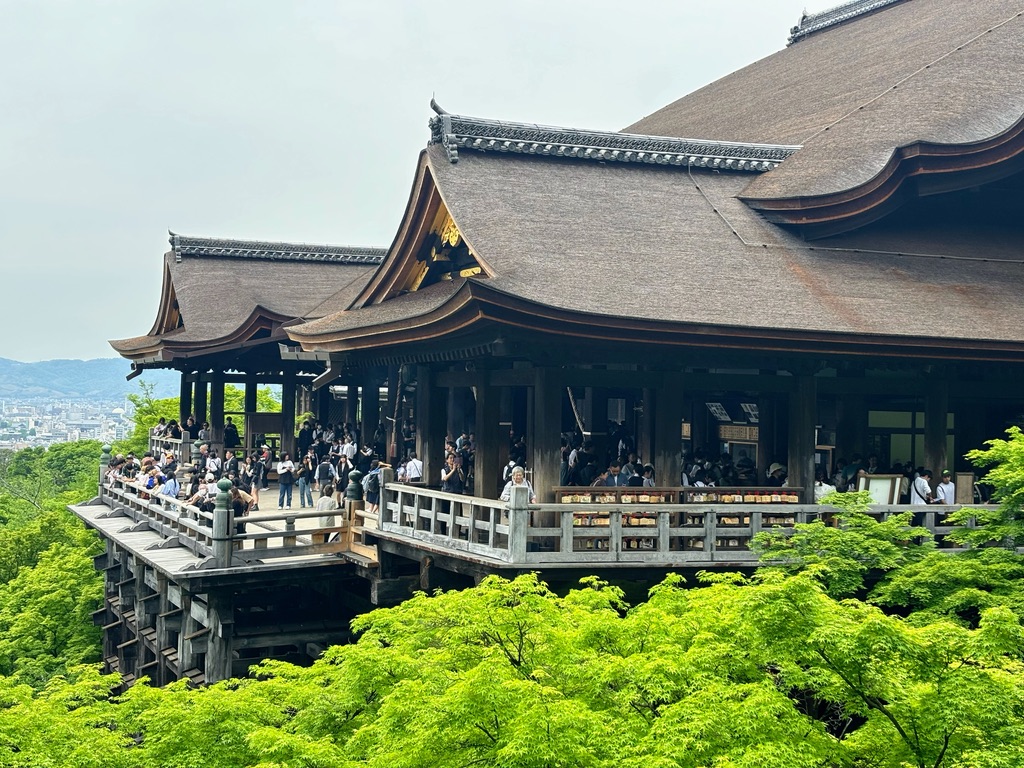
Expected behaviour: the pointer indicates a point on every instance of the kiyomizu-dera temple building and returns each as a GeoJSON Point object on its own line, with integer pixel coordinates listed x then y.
{"type": "Point", "coordinates": [817, 256]}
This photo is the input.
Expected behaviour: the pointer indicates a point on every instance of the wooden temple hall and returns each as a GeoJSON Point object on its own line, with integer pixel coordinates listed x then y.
{"type": "Point", "coordinates": [816, 256]}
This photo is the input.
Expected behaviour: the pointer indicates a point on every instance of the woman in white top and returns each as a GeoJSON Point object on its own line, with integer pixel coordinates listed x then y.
{"type": "Point", "coordinates": [326, 503]}
{"type": "Point", "coordinates": [285, 481]}
{"type": "Point", "coordinates": [518, 479]}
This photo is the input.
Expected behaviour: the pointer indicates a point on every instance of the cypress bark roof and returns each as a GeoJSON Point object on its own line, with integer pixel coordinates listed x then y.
{"type": "Point", "coordinates": [934, 71]}
{"type": "Point", "coordinates": [221, 292]}
{"type": "Point", "coordinates": [651, 244]}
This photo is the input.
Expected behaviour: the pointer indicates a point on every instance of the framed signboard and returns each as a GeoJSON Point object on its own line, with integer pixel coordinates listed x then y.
{"type": "Point", "coordinates": [884, 489]}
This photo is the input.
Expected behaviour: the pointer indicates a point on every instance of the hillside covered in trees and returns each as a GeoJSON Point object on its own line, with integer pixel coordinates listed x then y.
{"type": "Point", "coordinates": [860, 645]}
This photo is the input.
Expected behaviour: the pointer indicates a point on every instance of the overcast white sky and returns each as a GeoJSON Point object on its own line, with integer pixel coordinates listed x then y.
{"type": "Point", "coordinates": [297, 121]}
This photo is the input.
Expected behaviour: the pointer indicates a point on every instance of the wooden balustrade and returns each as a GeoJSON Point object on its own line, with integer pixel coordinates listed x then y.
{"type": "Point", "coordinates": [589, 533]}
{"type": "Point", "coordinates": [266, 536]}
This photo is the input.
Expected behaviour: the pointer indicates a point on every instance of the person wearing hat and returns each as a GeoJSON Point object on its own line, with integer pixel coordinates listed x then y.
{"type": "Point", "coordinates": [776, 475]}
{"type": "Point", "coordinates": [920, 489]}
{"type": "Point", "coordinates": [945, 491]}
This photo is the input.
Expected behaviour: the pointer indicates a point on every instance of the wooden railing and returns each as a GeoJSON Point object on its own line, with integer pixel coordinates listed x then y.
{"type": "Point", "coordinates": [212, 535]}
{"type": "Point", "coordinates": [180, 447]}
{"type": "Point", "coordinates": [519, 533]}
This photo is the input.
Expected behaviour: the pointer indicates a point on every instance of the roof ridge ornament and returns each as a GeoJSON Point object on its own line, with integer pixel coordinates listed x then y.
{"type": "Point", "coordinates": [183, 245]}
{"type": "Point", "coordinates": [455, 132]}
{"type": "Point", "coordinates": [815, 22]}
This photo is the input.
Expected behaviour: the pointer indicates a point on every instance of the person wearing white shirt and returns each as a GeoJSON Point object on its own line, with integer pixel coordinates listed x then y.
{"type": "Point", "coordinates": [413, 469]}
{"type": "Point", "coordinates": [920, 490]}
{"type": "Point", "coordinates": [945, 492]}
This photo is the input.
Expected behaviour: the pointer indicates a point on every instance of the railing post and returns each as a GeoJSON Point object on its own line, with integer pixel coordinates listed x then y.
{"type": "Point", "coordinates": [710, 533]}
{"type": "Point", "coordinates": [518, 522]}
{"type": "Point", "coordinates": [222, 525]}
{"type": "Point", "coordinates": [196, 453]}
{"type": "Point", "coordinates": [104, 461]}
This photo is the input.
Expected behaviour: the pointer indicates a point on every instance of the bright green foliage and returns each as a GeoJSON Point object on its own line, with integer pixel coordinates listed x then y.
{"type": "Point", "coordinates": [732, 674]}
{"type": "Point", "coordinates": [1005, 524]}
{"type": "Point", "coordinates": [72, 722]}
{"type": "Point", "coordinates": [958, 588]}
{"type": "Point", "coordinates": [48, 585]}
{"type": "Point", "coordinates": [843, 553]}
{"type": "Point", "coordinates": [45, 615]}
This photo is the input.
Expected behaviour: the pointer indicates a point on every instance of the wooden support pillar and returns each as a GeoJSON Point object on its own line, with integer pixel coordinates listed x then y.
{"type": "Point", "coordinates": [547, 394]}
{"type": "Point", "coordinates": [288, 414]}
{"type": "Point", "coordinates": [369, 396]}
{"type": "Point", "coordinates": [936, 410]}
{"type": "Point", "coordinates": [199, 402]}
{"type": "Point", "coordinates": [852, 427]}
{"type": "Point", "coordinates": [491, 442]}
{"type": "Point", "coordinates": [595, 417]}
{"type": "Point", "coordinates": [645, 430]}
{"type": "Point", "coordinates": [220, 620]}
{"type": "Point", "coordinates": [251, 385]}
{"type": "Point", "coordinates": [766, 450]}
{"type": "Point", "coordinates": [668, 420]}
{"type": "Point", "coordinates": [217, 411]}
{"type": "Point", "coordinates": [971, 425]}
{"type": "Point", "coordinates": [703, 423]}
{"type": "Point", "coordinates": [324, 399]}
{"type": "Point", "coordinates": [351, 411]}
{"type": "Point", "coordinates": [803, 416]}
{"type": "Point", "coordinates": [184, 400]}
{"type": "Point", "coordinates": [395, 446]}
{"type": "Point", "coordinates": [431, 423]}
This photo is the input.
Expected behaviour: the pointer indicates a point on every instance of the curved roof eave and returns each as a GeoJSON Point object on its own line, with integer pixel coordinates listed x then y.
{"type": "Point", "coordinates": [915, 169]}
{"type": "Point", "coordinates": [476, 303]}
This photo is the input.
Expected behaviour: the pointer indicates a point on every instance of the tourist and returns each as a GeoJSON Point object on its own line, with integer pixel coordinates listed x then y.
{"type": "Point", "coordinates": [240, 504]}
{"type": "Point", "coordinates": [453, 479]}
{"type": "Point", "coordinates": [285, 481]}
{"type": "Point", "coordinates": [372, 486]}
{"type": "Point", "coordinates": [822, 487]}
{"type": "Point", "coordinates": [945, 491]}
{"type": "Point", "coordinates": [213, 464]}
{"type": "Point", "coordinates": [230, 434]}
{"type": "Point", "coordinates": [776, 475]}
{"type": "Point", "coordinates": [326, 503]}
{"type": "Point", "coordinates": [304, 479]}
{"type": "Point", "coordinates": [518, 479]}
{"type": "Point", "coordinates": [920, 490]}
{"type": "Point", "coordinates": [160, 429]}
{"type": "Point", "coordinates": [614, 477]}
{"type": "Point", "coordinates": [413, 469]}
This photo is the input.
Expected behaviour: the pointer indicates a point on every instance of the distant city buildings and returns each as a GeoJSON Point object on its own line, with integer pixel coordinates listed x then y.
{"type": "Point", "coordinates": [28, 424]}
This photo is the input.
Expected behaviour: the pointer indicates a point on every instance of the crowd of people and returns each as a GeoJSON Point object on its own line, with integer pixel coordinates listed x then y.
{"type": "Point", "coordinates": [328, 455]}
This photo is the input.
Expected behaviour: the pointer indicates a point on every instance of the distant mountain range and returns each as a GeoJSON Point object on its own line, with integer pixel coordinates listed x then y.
{"type": "Point", "coordinates": [101, 380]}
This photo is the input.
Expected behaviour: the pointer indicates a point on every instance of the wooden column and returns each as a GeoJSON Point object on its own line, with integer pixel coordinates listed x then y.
{"type": "Point", "coordinates": [766, 452]}
{"type": "Point", "coordinates": [645, 433]}
{"type": "Point", "coordinates": [668, 419]}
{"type": "Point", "coordinates": [351, 411]}
{"type": "Point", "coordinates": [323, 404]}
{"type": "Point", "coordinates": [852, 426]}
{"type": "Point", "coordinates": [369, 396]}
{"type": "Point", "coordinates": [217, 410]}
{"type": "Point", "coordinates": [184, 400]}
{"type": "Point", "coordinates": [395, 447]}
{"type": "Point", "coordinates": [936, 409]}
{"type": "Point", "coordinates": [251, 385]}
{"type": "Point", "coordinates": [199, 402]}
{"type": "Point", "coordinates": [803, 415]}
{"type": "Point", "coordinates": [288, 414]}
{"type": "Point", "coordinates": [220, 620]}
{"type": "Point", "coordinates": [490, 439]}
{"type": "Point", "coordinates": [431, 424]}
{"type": "Point", "coordinates": [544, 443]}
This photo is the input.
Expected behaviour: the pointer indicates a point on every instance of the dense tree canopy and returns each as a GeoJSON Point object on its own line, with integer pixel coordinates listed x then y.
{"type": "Point", "coordinates": [857, 645]}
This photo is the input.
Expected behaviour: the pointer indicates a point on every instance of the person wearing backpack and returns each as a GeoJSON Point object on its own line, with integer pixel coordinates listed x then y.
{"type": "Point", "coordinates": [326, 474]}
{"type": "Point", "coordinates": [371, 486]}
